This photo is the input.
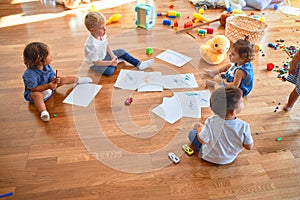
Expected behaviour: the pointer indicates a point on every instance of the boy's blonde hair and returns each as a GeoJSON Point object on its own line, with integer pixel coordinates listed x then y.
{"type": "Point", "coordinates": [93, 18]}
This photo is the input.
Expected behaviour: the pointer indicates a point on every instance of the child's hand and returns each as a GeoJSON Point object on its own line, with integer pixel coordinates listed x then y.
{"type": "Point", "coordinates": [222, 75]}
{"type": "Point", "coordinates": [56, 80]}
{"type": "Point", "coordinates": [198, 127]}
{"type": "Point", "coordinates": [114, 62]}
{"type": "Point", "coordinates": [53, 84]}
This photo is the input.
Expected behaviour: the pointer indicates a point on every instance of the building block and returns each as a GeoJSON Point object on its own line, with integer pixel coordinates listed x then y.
{"type": "Point", "coordinates": [167, 22]}
{"type": "Point", "coordinates": [188, 24]}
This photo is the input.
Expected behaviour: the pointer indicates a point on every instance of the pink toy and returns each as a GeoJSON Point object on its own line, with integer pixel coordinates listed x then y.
{"type": "Point", "coordinates": [128, 101]}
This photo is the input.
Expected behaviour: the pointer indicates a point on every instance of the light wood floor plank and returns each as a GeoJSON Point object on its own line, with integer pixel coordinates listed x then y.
{"type": "Point", "coordinates": [87, 154]}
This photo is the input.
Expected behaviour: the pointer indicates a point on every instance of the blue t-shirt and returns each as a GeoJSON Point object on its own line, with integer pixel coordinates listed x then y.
{"type": "Point", "coordinates": [35, 77]}
{"type": "Point", "coordinates": [246, 84]}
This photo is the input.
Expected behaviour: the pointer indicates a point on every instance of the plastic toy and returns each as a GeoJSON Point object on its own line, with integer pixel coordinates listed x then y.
{"type": "Point", "coordinates": [187, 149]}
{"type": "Point", "coordinates": [173, 14]}
{"type": "Point", "coordinates": [201, 11]}
{"type": "Point", "coordinates": [257, 17]}
{"type": "Point", "coordinates": [202, 32]}
{"type": "Point", "coordinates": [209, 30]}
{"type": "Point", "coordinates": [167, 22]}
{"type": "Point", "coordinates": [215, 50]}
{"type": "Point", "coordinates": [113, 18]}
{"type": "Point", "coordinates": [159, 14]}
{"type": "Point", "coordinates": [145, 16]}
{"type": "Point", "coordinates": [173, 157]}
{"type": "Point", "coordinates": [93, 9]}
{"type": "Point", "coordinates": [175, 27]}
{"type": "Point", "coordinates": [200, 17]}
{"type": "Point", "coordinates": [270, 66]}
{"type": "Point", "coordinates": [128, 101]}
{"type": "Point", "coordinates": [188, 24]}
{"type": "Point", "coordinates": [272, 46]}
{"type": "Point", "coordinates": [149, 51]}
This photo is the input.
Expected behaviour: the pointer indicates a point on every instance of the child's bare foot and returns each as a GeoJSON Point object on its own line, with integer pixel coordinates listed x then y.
{"type": "Point", "coordinates": [210, 83]}
{"type": "Point", "coordinates": [286, 107]}
{"type": "Point", "coordinates": [211, 73]}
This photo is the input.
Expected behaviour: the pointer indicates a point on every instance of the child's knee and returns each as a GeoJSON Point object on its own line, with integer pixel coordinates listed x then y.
{"type": "Point", "coordinates": [109, 71]}
{"type": "Point", "coordinates": [36, 95]}
{"type": "Point", "coordinates": [192, 134]}
{"type": "Point", "coordinates": [119, 52]}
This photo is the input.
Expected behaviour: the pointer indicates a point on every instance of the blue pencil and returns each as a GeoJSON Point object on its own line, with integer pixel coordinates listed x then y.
{"type": "Point", "coordinates": [6, 194]}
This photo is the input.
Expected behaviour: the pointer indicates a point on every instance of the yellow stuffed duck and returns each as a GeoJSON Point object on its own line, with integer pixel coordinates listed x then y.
{"type": "Point", "coordinates": [215, 50]}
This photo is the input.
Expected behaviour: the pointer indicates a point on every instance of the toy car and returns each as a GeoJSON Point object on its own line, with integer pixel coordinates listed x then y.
{"type": "Point", "coordinates": [187, 149]}
{"type": "Point", "coordinates": [173, 157]}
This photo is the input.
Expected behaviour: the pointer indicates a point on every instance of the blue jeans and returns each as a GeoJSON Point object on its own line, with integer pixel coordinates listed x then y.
{"type": "Point", "coordinates": [121, 54]}
{"type": "Point", "coordinates": [194, 139]}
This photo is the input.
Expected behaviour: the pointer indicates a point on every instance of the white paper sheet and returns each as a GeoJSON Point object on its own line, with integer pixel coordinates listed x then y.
{"type": "Point", "coordinates": [179, 81]}
{"type": "Point", "coordinates": [192, 102]}
{"type": "Point", "coordinates": [151, 82]}
{"type": "Point", "coordinates": [174, 58]}
{"type": "Point", "coordinates": [82, 94]}
{"type": "Point", "coordinates": [169, 110]}
{"type": "Point", "coordinates": [129, 79]}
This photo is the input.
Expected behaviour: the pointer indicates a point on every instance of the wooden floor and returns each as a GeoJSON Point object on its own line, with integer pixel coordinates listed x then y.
{"type": "Point", "coordinates": [112, 151]}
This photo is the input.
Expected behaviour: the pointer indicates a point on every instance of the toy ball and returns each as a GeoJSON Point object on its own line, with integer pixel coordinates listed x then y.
{"type": "Point", "coordinates": [276, 7]}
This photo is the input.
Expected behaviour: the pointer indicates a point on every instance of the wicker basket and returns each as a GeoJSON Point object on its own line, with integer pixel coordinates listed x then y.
{"type": "Point", "coordinates": [239, 26]}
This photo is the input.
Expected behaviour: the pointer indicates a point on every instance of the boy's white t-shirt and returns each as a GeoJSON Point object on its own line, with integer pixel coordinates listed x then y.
{"type": "Point", "coordinates": [224, 139]}
{"type": "Point", "coordinates": [94, 49]}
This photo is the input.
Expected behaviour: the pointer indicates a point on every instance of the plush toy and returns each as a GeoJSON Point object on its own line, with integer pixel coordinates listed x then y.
{"type": "Point", "coordinates": [215, 50]}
